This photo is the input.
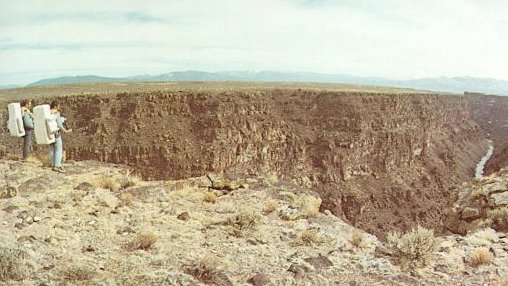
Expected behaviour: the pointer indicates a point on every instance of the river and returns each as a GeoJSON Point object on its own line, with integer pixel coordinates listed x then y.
{"type": "Point", "coordinates": [483, 161]}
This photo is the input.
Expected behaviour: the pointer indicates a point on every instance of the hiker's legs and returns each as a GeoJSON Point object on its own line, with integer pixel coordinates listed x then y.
{"type": "Point", "coordinates": [27, 143]}
{"type": "Point", "coordinates": [58, 152]}
{"type": "Point", "coordinates": [52, 154]}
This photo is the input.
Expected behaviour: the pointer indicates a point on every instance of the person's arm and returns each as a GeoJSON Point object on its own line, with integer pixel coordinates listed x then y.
{"type": "Point", "coordinates": [59, 124]}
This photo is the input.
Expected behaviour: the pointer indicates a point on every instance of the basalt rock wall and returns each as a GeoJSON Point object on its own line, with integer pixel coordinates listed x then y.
{"type": "Point", "coordinates": [491, 113]}
{"type": "Point", "coordinates": [380, 161]}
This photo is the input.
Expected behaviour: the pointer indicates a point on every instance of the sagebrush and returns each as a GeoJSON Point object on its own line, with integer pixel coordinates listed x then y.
{"type": "Point", "coordinates": [415, 247]}
{"type": "Point", "coordinates": [13, 264]}
{"type": "Point", "coordinates": [243, 223]}
{"type": "Point", "coordinates": [481, 256]}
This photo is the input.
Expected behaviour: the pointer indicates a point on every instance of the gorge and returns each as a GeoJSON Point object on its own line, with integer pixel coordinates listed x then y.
{"type": "Point", "coordinates": [380, 160]}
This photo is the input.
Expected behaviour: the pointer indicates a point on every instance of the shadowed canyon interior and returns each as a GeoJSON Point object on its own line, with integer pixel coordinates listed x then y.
{"type": "Point", "coordinates": [380, 161]}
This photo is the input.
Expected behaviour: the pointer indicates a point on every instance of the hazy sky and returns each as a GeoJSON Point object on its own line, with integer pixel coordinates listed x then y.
{"type": "Point", "coordinates": [384, 38]}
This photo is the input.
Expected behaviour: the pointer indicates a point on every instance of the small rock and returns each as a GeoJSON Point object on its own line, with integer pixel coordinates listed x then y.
{"type": "Point", "coordinates": [500, 199]}
{"type": "Point", "coordinates": [88, 248]}
{"type": "Point", "coordinates": [92, 222]}
{"type": "Point", "coordinates": [85, 186]}
{"type": "Point", "coordinates": [25, 239]}
{"type": "Point", "coordinates": [470, 213]}
{"type": "Point", "coordinates": [297, 270]}
{"type": "Point", "coordinates": [25, 214]}
{"type": "Point", "coordinates": [183, 216]}
{"type": "Point", "coordinates": [259, 279]}
{"type": "Point", "coordinates": [37, 219]}
{"type": "Point", "coordinates": [8, 193]}
{"type": "Point", "coordinates": [319, 261]}
{"type": "Point", "coordinates": [288, 213]}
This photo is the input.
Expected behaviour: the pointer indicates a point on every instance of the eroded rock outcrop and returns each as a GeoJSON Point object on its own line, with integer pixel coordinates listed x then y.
{"type": "Point", "coordinates": [481, 203]}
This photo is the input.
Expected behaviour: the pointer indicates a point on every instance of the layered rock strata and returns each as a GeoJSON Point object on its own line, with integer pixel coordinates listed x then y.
{"type": "Point", "coordinates": [380, 161]}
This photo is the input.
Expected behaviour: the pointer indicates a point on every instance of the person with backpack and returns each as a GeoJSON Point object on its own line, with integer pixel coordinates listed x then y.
{"type": "Point", "coordinates": [28, 124]}
{"type": "Point", "coordinates": [56, 149]}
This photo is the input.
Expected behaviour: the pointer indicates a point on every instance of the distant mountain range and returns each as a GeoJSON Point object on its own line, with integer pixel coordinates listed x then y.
{"type": "Point", "coordinates": [443, 84]}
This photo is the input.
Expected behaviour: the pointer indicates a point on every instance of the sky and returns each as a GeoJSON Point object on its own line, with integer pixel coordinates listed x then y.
{"type": "Point", "coordinates": [393, 39]}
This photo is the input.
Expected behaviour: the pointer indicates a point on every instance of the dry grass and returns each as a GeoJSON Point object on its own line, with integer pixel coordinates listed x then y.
{"type": "Point", "coordinates": [272, 179]}
{"type": "Point", "coordinates": [128, 181]}
{"type": "Point", "coordinates": [125, 199]}
{"type": "Point", "coordinates": [415, 248]}
{"type": "Point", "coordinates": [243, 223]}
{"type": "Point", "coordinates": [270, 206]}
{"type": "Point", "coordinates": [11, 157]}
{"type": "Point", "coordinates": [499, 215]}
{"type": "Point", "coordinates": [357, 239]}
{"type": "Point", "coordinates": [207, 271]}
{"type": "Point", "coordinates": [76, 273]}
{"type": "Point", "coordinates": [484, 237]}
{"type": "Point", "coordinates": [33, 158]}
{"type": "Point", "coordinates": [310, 204]}
{"type": "Point", "coordinates": [108, 183]}
{"type": "Point", "coordinates": [481, 256]}
{"type": "Point", "coordinates": [45, 159]}
{"type": "Point", "coordinates": [309, 237]}
{"type": "Point", "coordinates": [210, 197]}
{"type": "Point", "coordinates": [144, 241]}
{"type": "Point", "coordinates": [12, 264]}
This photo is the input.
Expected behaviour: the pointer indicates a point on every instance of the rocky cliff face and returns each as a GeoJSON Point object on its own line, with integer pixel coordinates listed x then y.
{"type": "Point", "coordinates": [379, 161]}
{"type": "Point", "coordinates": [491, 113]}
{"type": "Point", "coordinates": [481, 203]}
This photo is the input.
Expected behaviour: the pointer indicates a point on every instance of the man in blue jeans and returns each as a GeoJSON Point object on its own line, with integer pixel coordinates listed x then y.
{"type": "Point", "coordinates": [28, 124]}
{"type": "Point", "coordinates": [56, 149]}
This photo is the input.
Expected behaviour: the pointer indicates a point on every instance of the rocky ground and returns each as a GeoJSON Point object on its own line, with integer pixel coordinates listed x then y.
{"type": "Point", "coordinates": [98, 225]}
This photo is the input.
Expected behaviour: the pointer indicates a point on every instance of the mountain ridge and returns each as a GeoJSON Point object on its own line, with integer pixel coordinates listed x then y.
{"type": "Point", "coordinates": [442, 84]}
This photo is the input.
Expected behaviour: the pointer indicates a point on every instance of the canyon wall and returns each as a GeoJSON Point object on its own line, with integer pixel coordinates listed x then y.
{"type": "Point", "coordinates": [491, 113]}
{"type": "Point", "coordinates": [380, 161]}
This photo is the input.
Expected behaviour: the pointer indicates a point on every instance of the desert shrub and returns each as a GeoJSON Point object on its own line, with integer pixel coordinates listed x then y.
{"type": "Point", "coordinates": [125, 199]}
{"type": "Point", "coordinates": [3, 151]}
{"type": "Point", "coordinates": [270, 206]}
{"type": "Point", "coordinates": [310, 204]}
{"type": "Point", "coordinates": [309, 236]}
{"type": "Point", "coordinates": [33, 158]}
{"type": "Point", "coordinates": [108, 183]}
{"type": "Point", "coordinates": [44, 158]}
{"type": "Point", "coordinates": [272, 179]}
{"type": "Point", "coordinates": [357, 239]}
{"type": "Point", "coordinates": [78, 272]}
{"type": "Point", "coordinates": [13, 264]}
{"type": "Point", "coordinates": [210, 197]}
{"type": "Point", "coordinates": [243, 223]}
{"type": "Point", "coordinates": [415, 247]}
{"type": "Point", "coordinates": [144, 241]}
{"type": "Point", "coordinates": [499, 218]}
{"type": "Point", "coordinates": [207, 271]}
{"type": "Point", "coordinates": [481, 256]}
{"type": "Point", "coordinates": [128, 181]}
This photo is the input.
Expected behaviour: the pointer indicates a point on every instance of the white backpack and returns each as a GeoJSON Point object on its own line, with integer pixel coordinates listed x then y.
{"type": "Point", "coordinates": [15, 122]}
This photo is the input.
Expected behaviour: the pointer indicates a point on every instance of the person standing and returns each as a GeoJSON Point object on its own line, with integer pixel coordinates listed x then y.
{"type": "Point", "coordinates": [56, 149]}
{"type": "Point", "coordinates": [28, 124]}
